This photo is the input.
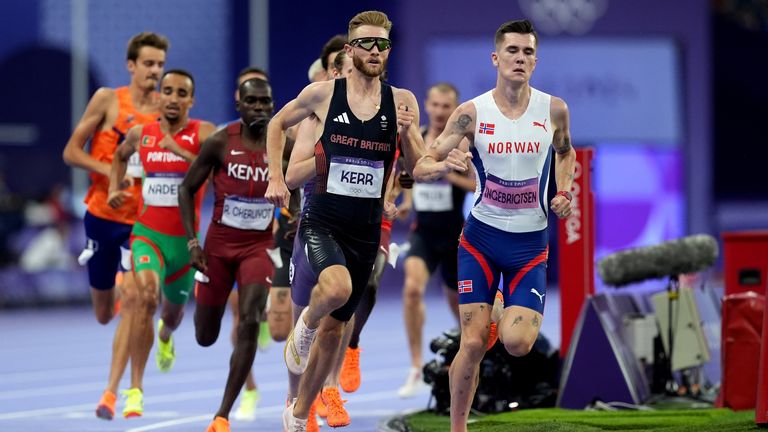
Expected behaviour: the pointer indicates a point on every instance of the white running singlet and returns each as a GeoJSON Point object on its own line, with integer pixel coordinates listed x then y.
{"type": "Point", "coordinates": [512, 160]}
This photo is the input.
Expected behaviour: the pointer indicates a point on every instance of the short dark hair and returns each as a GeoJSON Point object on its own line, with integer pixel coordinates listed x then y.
{"type": "Point", "coordinates": [334, 44]}
{"type": "Point", "coordinates": [444, 87]}
{"type": "Point", "coordinates": [180, 72]}
{"type": "Point", "coordinates": [256, 82]}
{"type": "Point", "coordinates": [252, 70]}
{"type": "Point", "coordinates": [515, 26]}
{"type": "Point", "coordinates": [149, 39]}
{"type": "Point", "coordinates": [338, 62]}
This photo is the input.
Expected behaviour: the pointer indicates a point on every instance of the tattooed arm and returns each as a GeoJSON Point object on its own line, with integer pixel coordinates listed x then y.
{"type": "Point", "coordinates": [565, 156]}
{"type": "Point", "coordinates": [443, 155]}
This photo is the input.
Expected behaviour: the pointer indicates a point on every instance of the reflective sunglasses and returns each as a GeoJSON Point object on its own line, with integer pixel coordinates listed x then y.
{"type": "Point", "coordinates": [367, 43]}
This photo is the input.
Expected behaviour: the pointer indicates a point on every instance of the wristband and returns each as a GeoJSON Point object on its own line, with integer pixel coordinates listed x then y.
{"type": "Point", "coordinates": [193, 243]}
{"type": "Point", "coordinates": [565, 194]}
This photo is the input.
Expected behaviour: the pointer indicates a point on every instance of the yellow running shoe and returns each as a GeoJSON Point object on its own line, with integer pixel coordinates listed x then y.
{"type": "Point", "coordinates": [219, 424]}
{"type": "Point", "coordinates": [106, 407]}
{"type": "Point", "coordinates": [165, 354]}
{"type": "Point", "coordinates": [249, 399]}
{"type": "Point", "coordinates": [134, 403]}
{"type": "Point", "coordinates": [350, 370]}
{"type": "Point", "coordinates": [265, 337]}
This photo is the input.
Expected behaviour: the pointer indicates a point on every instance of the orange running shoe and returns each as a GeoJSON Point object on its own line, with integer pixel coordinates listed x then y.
{"type": "Point", "coordinates": [350, 370]}
{"type": "Point", "coordinates": [320, 407]}
{"type": "Point", "coordinates": [492, 337]}
{"type": "Point", "coordinates": [337, 415]}
{"type": "Point", "coordinates": [106, 407]}
{"type": "Point", "coordinates": [219, 424]}
{"type": "Point", "coordinates": [312, 425]}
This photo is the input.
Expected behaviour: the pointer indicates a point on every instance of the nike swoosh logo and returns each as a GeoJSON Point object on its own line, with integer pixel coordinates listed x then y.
{"type": "Point", "coordinates": [236, 153]}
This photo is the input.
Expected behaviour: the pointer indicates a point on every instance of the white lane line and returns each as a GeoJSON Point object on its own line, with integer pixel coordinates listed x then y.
{"type": "Point", "coordinates": [370, 376]}
{"type": "Point", "coordinates": [367, 397]}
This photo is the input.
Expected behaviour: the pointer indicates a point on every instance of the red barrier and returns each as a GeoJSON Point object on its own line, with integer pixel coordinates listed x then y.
{"type": "Point", "coordinates": [576, 236]}
{"type": "Point", "coordinates": [746, 261]}
{"type": "Point", "coordinates": [742, 325]}
{"type": "Point", "coordinates": [761, 411]}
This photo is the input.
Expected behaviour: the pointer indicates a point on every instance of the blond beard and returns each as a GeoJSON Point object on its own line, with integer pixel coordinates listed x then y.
{"type": "Point", "coordinates": [365, 69]}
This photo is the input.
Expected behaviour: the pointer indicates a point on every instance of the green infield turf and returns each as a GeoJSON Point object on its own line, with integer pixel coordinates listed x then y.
{"type": "Point", "coordinates": [557, 420]}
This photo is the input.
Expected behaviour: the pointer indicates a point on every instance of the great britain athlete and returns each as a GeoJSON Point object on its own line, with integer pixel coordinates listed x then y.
{"type": "Point", "coordinates": [342, 222]}
{"type": "Point", "coordinates": [511, 128]}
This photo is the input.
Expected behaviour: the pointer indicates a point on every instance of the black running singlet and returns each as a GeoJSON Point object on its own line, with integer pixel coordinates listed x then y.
{"type": "Point", "coordinates": [353, 161]}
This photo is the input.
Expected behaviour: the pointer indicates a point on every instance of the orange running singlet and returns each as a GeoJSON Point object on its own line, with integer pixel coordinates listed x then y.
{"type": "Point", "coordinates": [103, 148]}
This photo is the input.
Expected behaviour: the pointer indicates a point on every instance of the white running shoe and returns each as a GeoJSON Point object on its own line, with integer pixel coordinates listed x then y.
{"type": "Point", "coordinates": [414, 384]}
{"type": "Point", "coordinates": [296, 352]}
{"type": "Point", "coordinates": [291, 423]}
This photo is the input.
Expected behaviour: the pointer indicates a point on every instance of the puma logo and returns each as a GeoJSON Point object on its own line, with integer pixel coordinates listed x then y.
{"type": "Point", "coordinates": [190, 138]}
{"type": "Point", "coordinates": [541, 125]}
{"type": "Point", "coordinates": [540, 296]}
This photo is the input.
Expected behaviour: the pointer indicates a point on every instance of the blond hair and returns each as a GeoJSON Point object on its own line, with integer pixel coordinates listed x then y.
{"type": "Point", "coordinates": [372, 18]}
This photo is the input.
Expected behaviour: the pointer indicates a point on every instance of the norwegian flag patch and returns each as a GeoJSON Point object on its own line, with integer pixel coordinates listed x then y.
{"type": "Point", "coordinates": [486, 128]}
{"type": "Point", "coordinates": [465, 286]}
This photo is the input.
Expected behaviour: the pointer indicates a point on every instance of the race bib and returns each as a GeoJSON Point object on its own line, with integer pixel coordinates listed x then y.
{"type": "Point", "coordinates": [135, 169]}
{"type": "Point", "coordinates": [433, 197]}
{"type": "Point", "coordinates": [162, 189]}
{"type": "Point", "coordinates": [511, 194]}
{"type": "Point", "coordinates": [355, 177]}
{"type": "Point", "coordinates": [247, 213]}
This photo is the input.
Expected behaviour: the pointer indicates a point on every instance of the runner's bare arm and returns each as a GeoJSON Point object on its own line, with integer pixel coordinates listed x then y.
{"type": "Point", "coordinates": [465, 180]}
{"type": "Point", "coordinates": [168, 143]}
{"type": "Point", "coordinates": [306, 103]}
{"type": "Point", "coordinates": [210, 157]}
{"type": "Point", "coordinates": [443, 155]}
{"type": "Point", "coordinates": [94, 116]}
{"type": "Point", "coordinates": [301, 167]}
{"type": "Point", "coordinates": [390, 195]}
{"type": "Point", "coordinates": [565, 156]}
{"type": "Point", "coordinates": [123, 152]}
{"type": "Point", "coordinates": [411, 141]}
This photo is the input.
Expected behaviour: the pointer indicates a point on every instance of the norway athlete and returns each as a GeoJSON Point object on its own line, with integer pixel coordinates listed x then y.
{"type": "Point", "coordinates": [238, 237]}
{"type": "Point", "coordinates": [158, 242]}
{"type": "Point", "coordinates": [511, 129]}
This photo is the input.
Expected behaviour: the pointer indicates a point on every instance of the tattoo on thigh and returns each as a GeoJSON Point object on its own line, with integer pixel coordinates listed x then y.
{"type": "Point", "coordinates": [467, 316]}
{"type": "Point", "coordinates": [482, 307]}
{"type": "Point", "coordinates": [282, 296]}
{"type": "Point", "coordinates": [517, 320]}
{"type": "Point", "coordinates": [535, 321]}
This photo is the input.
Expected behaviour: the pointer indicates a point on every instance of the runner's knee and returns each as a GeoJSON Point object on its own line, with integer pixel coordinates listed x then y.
{"type": "Point", "coordinates": [517, 344]}
{"type": "Point", "coordinates": [335, 287]}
